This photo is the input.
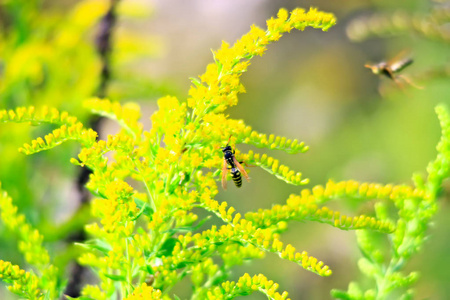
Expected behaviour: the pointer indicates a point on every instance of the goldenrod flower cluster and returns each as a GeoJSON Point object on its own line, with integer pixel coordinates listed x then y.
{"type": "Point", "coordinates": [307, 205]}
{"type": "Point", "coordinates": [247, 285]}
{"type": "Point", "coordinates": [145, 292]}
{"type": "Point", "coordinates": [31, 115]}
{"type": "Point", "coordinates": [219, 85]}
{"type": "Point", "coordinates": [24, 284]}
{"type": "Point", "coordinates": [30, 244]}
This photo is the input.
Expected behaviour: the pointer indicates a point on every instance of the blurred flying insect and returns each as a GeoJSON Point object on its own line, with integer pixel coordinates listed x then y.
{"type": "Point", "coordinates": [392, 67]}
{"type": "Point", "coordinates": [230, 163]}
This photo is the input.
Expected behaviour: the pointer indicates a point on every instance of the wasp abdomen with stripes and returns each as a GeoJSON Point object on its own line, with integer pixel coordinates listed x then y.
{"type": "Point", "coordinates": [236, 176]}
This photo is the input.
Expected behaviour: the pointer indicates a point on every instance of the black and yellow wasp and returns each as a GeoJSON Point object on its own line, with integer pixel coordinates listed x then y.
{"type": "Point", "coordinates": [230, 163]}
{"type": "Point", "coordinates": [392, 67]}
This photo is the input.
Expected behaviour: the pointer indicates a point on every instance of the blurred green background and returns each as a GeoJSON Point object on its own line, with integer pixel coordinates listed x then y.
{"type": "Point", "coordinates": [311, 86]}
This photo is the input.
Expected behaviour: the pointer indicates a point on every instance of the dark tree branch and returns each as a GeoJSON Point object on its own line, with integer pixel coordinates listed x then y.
{"type": "Point", "coordinates": [103, 44]}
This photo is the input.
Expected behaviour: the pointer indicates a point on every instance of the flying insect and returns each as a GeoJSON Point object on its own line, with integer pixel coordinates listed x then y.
{"type": "Point", "coordinates": [230, 163]}
{"type": "Point", "coordinates": [392, 67]}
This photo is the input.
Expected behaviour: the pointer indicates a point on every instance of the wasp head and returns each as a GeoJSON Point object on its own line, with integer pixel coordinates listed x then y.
{"type": "Point", "coordinates": [377, 68]}
{"type": "Point", "coordinates": [226, 148]}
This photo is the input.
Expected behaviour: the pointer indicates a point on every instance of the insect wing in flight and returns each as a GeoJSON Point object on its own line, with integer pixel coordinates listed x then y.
{"type": "Point", "coordinates": [399, 62]}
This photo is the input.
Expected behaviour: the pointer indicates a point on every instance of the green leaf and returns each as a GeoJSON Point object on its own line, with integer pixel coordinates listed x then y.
{"type": "Point", "coordinates": [219, 66]}
{"type": "Point", "coordinates": [186, 179]}
{"type": "Point", "coordinates": [98, 193]}
{"type": "Point", "coordinates": [224, 274]}
{"type": "Point", "coordinates": [149, 269]}
{"type": "Point", "coordinates": [195, 81]}
{"type": "Point", "coordinates": [211, 108]}
{"type": "Point", "coordinates": [183, 264]}
{"type": "Point", "coordinates": [96, 244]}
{"type": "Point", "coordinates": [144, 208]}
{"type": "Point", "coordinates": [141, 211]}
{"type": "Point", "coordinates": [168, 246]}
{"type": "Point", "coordinates": [116, 277]}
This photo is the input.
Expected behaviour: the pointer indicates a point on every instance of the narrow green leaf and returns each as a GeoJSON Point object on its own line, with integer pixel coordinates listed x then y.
{"type": "Point", "coordinates": [116, 277]}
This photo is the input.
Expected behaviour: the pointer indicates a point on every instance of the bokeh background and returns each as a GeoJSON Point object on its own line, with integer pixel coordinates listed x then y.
{"type": "Point", "coordinates": [310, 85]}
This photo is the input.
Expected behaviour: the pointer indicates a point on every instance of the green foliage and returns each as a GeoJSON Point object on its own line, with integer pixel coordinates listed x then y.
{"type": "Point", "coordinates": [22, 283]}
{"type": "Point", "coordinates": [146, 235]}
{"type": "Point", "coordinates": [414, 214]}
{"type": "Point", "coordinates": [414, 211]}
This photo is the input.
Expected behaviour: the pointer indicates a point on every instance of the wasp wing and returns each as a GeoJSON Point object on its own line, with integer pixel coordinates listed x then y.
{"type": "Point", "coordinates": [239, 166]}
{"type": "Point", "coordinates": [224, 175]}
{"type": "Point", "coordinates": [400, 61]}
{"type": "Point", "coordinates": [401, 64]}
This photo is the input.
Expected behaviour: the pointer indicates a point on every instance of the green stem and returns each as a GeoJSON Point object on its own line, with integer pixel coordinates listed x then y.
{"type": "Point", "coordinates": [129, 269]}
{"type": "Point", "coordinates": [169, 179]}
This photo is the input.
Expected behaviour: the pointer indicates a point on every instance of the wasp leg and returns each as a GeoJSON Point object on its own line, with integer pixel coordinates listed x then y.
{"type": "Point", "coordinates": [239, 166]}
{"type": "Point", "coordinates": [246, 164]}
{"type": "Point", "coordinates": [408, 81]}
{"type": "Point", "coordinates": [224, 175]}
{"type": "Point", "coordinates": [398, 82]}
